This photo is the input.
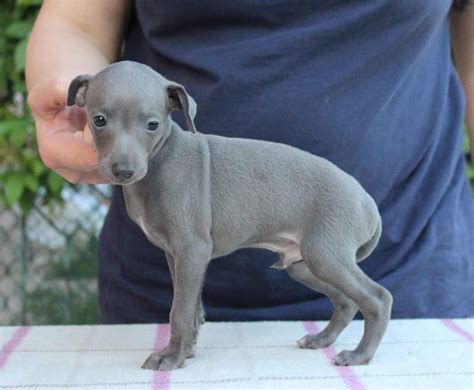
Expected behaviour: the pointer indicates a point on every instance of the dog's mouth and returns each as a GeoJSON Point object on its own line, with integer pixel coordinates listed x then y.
{"type": "Point", "coordinates": [127, 181]}
{"type": "Point", "coordinates": [123, 182]}
{"type": "Point", "coordinates": [122, 178]}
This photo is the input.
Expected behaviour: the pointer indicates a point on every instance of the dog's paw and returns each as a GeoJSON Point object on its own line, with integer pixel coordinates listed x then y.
{"type": "Point", "coordinates": [169, 362]}
{"type": "Point", "coordinates": [314, 341]}
{"type": "Point", "coordinates": [351, 358]}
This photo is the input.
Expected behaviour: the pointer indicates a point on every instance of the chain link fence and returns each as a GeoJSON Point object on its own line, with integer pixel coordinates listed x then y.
{"type": "Point", "coordinates": [48, 259]}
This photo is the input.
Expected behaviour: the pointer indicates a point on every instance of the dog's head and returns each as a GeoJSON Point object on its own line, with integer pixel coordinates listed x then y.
{"type": "Point", "coordinates": [129, 113]}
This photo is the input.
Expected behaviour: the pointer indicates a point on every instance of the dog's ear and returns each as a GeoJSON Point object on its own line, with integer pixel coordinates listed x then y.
{"type": "Point", "coordinates": [179, 99]}
{"type": "Point", "coordinates": [77, 90]}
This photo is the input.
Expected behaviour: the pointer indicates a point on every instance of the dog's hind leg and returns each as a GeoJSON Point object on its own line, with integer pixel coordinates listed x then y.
{"type": "Point", "coordinates": [334, 262]}
{"type": "Point", "coordinates": [344, 308]}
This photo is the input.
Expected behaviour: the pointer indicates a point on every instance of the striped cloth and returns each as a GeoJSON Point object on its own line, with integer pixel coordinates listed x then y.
{"type": "Point", "coordinates": [431, 354]}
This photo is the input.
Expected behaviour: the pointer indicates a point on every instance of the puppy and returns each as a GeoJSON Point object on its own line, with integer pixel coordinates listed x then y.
{"type": "Point", "coordinates": [199, 197]}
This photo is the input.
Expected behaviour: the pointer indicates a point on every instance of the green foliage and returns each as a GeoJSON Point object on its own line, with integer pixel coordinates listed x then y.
{"type": "Point", "coordinates": [63, 291]}
{"type": "Point", "coordinates": [23, 178]}
{"type": "Point", "coordinates": [49, 306]}
{"type": "Point", "coordinates": [67, 293]}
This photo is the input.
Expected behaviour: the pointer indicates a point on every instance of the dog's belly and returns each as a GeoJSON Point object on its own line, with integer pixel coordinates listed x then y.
{"type": "Point", "coordinates": [287, 244]}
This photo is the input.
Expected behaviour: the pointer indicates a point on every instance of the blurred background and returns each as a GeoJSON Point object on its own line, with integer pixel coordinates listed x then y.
{"type": "Point", "coordinates": [48, 227]}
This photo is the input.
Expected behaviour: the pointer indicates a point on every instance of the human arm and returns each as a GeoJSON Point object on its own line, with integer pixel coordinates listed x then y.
{"type": "Point", "coordinates": [70, 38]}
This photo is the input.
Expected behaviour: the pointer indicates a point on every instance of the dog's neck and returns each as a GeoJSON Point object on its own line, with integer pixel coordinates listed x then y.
{"type": "Point", "coordinates": [172, 128]}
{"type": "Point", "coordinates": [166, 154]}
{"type": "Point", "coordinates": [172, 140]}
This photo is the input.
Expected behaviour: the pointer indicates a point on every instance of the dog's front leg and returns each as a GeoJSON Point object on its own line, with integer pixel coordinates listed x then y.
{"type": "Point", "coordinates": [190, 269]}
{"type": "Point", "coordinates": [199, 317]}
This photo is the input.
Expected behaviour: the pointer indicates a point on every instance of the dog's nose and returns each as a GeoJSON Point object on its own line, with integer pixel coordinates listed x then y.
{"type": "Point", "coordinates": [122, 171]}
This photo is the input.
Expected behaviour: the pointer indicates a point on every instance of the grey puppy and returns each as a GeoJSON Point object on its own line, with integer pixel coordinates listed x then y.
{"type": "Point", "coordinates": [199, 197]}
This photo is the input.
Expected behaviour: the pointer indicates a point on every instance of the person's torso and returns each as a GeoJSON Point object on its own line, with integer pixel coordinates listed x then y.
{"type": "Point", "coordinates": [368, 85]}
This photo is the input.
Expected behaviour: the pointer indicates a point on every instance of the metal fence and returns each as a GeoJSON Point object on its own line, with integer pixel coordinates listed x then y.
{"type": "Point", "coordinates": [48, 259]}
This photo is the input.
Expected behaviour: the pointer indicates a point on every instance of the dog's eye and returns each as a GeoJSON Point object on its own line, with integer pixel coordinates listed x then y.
{"type": "Point", "coordinates": [99, 121]}
{"type": "Point", "coordinates": [152, 126]}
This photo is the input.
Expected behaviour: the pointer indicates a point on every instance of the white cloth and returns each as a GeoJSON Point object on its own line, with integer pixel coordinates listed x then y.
{"type": "Point", "coordinates": [414, 354]}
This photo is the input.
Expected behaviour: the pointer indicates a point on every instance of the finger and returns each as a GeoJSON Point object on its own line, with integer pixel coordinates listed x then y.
{"type": "Point", "coordinates": [67, 150]}
{"type": "Point", "coordinates": [75, 119]}
{"type": "Point", "coordinates": [73, 153]}
{"type": "Point", "coordinates": [47, 99]}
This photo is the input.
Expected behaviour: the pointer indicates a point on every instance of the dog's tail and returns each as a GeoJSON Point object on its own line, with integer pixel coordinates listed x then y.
{"type": "Point", "coordinates": [367, 248]}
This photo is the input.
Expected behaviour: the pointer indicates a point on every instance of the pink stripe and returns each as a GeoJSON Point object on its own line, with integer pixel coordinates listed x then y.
{"type": "Point", "coordinates": [161, 379]}
{"type": "Point", "coordinates": [451, 325]}
{"type": "Point", "coordinates": [349, 377]}
{"type": "Point", "coordinates": [11, 344]}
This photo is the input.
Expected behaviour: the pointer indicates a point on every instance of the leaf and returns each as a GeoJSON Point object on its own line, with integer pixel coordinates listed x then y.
{"type": "Point", "coordinates": [19, 84]}
{"type": "Point", "coordinates": [29, 155]}
{"type": "Point", "coordinates": [466, 145]}
{"type": "Point", "coordinates": [470, 171]}
{"type": "Point", "coordinates": [18, 29]}
{"type": "Point", "coordinates": [37, 167]}
{"type": "Point", "coordinates": [19, 55]}
{"type": "Point", "coordinates": [18, 137]}
{"type": "Point", "coordinates": [14, 187]}
{"type": "Point", "coordinates": [55, 182]}
{"type": "Point", "coordinates": [6, 126]}
{"type": "Point", "coordinates": [27, 201]}
{"type": "Point", "coordinates": [31, 182]}
{"type": "Point", "coordinates": [27, 3]}
{"type": "Point", "coordinates": [3, 79]}
{"type": "Point", "coordinates": [9, 66]}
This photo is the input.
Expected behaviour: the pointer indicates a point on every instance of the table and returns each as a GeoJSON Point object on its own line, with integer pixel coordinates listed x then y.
{"type": "Point", "coordinates": [431, 354]}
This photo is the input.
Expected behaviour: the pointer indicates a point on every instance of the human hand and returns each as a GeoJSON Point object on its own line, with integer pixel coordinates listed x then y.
{"type": "Point", "coordinates": [64, 139]}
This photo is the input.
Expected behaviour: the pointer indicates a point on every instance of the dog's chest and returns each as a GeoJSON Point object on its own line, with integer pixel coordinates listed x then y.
{"type": "Point", "coordinates": [140, 213]}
